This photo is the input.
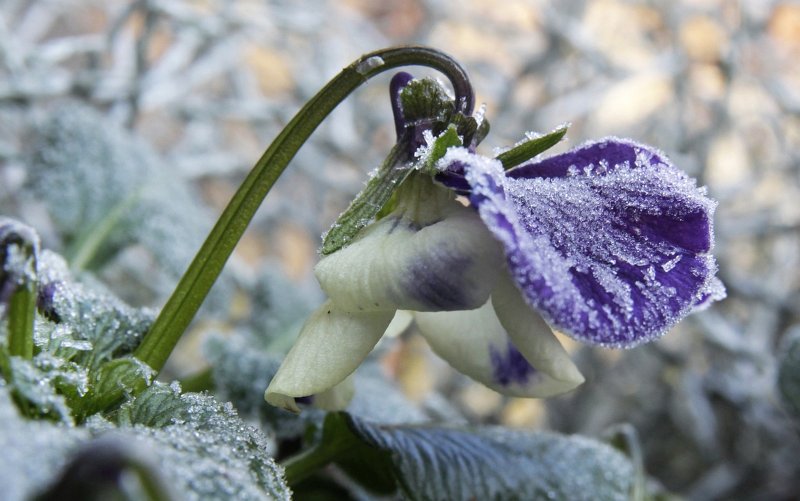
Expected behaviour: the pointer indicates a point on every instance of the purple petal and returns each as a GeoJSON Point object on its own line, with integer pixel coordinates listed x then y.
{"type": "Point", "coordinates": [591, 157]}
{"type": "Point", "coordinates": [612, 250]}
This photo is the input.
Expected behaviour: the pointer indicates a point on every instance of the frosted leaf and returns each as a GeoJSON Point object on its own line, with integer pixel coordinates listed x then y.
{"type": "Point", "coordinates": [97, 179]}
{"type": "Point", "coordinates": [19, 250]}
{"type": "Point", "coordinates": [431, 462]}
{"type": "Point", "coordinates": [33, 451]}
{"type": "Point", "coordinates": [44, 384]}
{"type": "Point", "coordinates": [157, 406]}
{"type": "Point", "coordinates": [109, 467]}
{"type": "Point", "coordinates": [592, 236]}
{"type": "Point", "coordinates": [212, 454]}
{"type": "Point", "coordinates": [83, 323]}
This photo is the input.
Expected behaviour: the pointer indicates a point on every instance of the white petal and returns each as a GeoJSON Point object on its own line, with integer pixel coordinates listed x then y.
{"type": "Point", "coordinates": [337, 398]}
{"type": "Point", "coordinates": [448, 263]}
{"type": "Point", "coordinates": [402, 320]}
{"type": "Point", "coordinates": [331, 344]}
{"type": "Point", "coordinates": [534, 339]}
{"type": "Point", "coordinates": [531, 363]}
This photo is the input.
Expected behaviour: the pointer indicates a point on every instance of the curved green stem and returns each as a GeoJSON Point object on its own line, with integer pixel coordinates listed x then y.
{"type": "Point", "coordinates": [193, 287]}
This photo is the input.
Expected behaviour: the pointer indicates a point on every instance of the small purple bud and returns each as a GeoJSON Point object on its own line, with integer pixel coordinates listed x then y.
{"type": "Point", "coordinates": [307, 400]}
{"type": "Point", "coordinates": [19, 251]}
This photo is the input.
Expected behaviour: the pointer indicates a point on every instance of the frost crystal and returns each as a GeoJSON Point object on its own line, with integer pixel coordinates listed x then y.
{"type": "Point", "coordinates": [609, 241]}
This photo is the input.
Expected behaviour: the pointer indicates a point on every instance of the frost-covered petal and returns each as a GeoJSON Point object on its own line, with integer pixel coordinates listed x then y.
{"type": "Point", "coordinates": [438, 257]}
{"type": "Point", "coordinates": [331, 344]}
{"type": "Point", "coordinates": [530, 363]}
{"type": "Point", "coordinates": [612, 250]}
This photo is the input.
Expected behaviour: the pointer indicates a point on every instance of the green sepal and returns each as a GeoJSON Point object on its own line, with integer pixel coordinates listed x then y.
{"type": "Point", "coordinates": [445, 140]}
{"type": "Point", "coordinates": [530, 148]}
{"type": "Point", "coordinates": [425, 99]}
{"type": "Point", "coordinates": [379, 189]}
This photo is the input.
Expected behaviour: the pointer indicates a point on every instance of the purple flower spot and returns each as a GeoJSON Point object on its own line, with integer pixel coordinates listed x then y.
{"type": "Point", "coordinates": [510, 367]}
{"type": "Point", "coordinates": [307, 400]}
{"type": "Point", "coordinates": [438, 284]}
{"type": "Point", "coordinates": [46, 301]}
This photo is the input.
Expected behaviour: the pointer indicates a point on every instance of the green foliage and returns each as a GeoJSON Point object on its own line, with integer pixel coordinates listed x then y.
{"type": "Point", "coordinates": [105, 190]}
{"type": "Point", "coordinates": [33, 450]}
{"type": "Point", "coordinates": [98, 180]}
{"type": "Point", "coordinates": [82, 322]}
{"type": "Point", "coordinates": [428, 462]}
{"type": "Point", "coordinates": [241, 372]}
{"type": "Point", "coordinates": [202, 446]}
{"type": "Point", "coordinates": [379, 189]}
{"type": "Point", "coordinates": [81, 370]}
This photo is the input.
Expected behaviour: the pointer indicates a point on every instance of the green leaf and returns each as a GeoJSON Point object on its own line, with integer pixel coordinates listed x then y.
{"type": "Point", "coordinates": [113, 381]}
{"type": "Point", "coordinates": [44, 386]}
{"type": "Point", "coordinates": [209, 454]}
{"type": "Point", "coordinates": [531, 147]}
{"type": "Point", "coordinates": [437, 150]}
{"type": "Point", "coordinates": [105, 188]}
{"type": "Point", "coordinates": [81, 323]}
{"type": "Point", "coordinates": [156, 407]}
{"type": "Point", "coordinates": [368, 203]}
{"type": "Point", "coordinates": [108, 468]}
{"type": "Point", "coordinates": [484, 463]}
{"type": "Point", "coordinates": [33, 450]}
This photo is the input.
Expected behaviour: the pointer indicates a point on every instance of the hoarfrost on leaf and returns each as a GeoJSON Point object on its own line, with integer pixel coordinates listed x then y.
{"type": "Point", "coordinates": [456, 463]}
{"type": "Point", "coordinates": [210, 453]}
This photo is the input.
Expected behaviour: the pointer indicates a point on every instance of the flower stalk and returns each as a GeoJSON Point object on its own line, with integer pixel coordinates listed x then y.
{"type": "Point", "coordinates": [195, 284]}
{"type": "Point", "coordinates": [19, 249]}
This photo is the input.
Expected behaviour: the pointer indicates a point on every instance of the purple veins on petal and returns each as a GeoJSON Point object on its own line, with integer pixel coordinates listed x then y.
{"type": "Point", "coordinates": [509, 366]}
{"type": "Point", "coordinates": [439, 285]}
{"type": "Point", "coordinates": [608, 241]}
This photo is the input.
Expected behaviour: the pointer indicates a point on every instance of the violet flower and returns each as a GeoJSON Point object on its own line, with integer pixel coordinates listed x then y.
{"type": "Point", "coordinates": [608, 243]}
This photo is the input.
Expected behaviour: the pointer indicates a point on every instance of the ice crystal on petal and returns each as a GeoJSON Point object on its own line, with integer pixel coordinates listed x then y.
{"type": "Point", "coordinates": [609, 240]}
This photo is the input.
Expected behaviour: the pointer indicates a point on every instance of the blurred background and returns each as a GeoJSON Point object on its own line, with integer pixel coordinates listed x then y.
{"type": "Point", "coordinates": [175, 100]}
